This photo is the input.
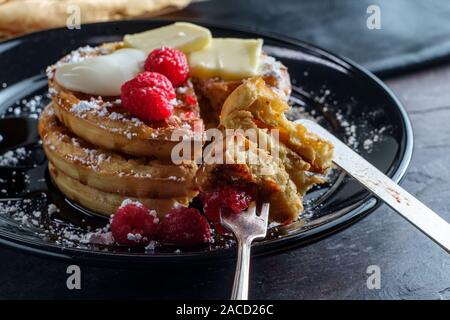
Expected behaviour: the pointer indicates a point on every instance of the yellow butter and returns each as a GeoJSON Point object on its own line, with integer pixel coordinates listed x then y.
{"type": "Point", "coordinates": [227, 58]}
{"type": "Point", "coordinates": [184, 36]}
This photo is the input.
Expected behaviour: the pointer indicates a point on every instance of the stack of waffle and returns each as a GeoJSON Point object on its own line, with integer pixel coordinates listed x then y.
{"type": "Point", "coordinates": [99, 154]}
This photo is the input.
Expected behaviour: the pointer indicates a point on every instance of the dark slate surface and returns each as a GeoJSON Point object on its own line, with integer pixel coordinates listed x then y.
{"type": "Point", "coordinates": [411, 265]}
{"type": "Point", "coordinates": [413, 33]}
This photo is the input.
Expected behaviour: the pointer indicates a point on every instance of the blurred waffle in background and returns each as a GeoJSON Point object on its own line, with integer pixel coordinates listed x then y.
{"type": "Point", "coordinates": [23, 16]}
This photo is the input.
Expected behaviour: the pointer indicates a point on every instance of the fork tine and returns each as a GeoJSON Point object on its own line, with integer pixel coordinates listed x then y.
{"type": "Point", "coordinates": [246, 227]}
{"type": "Point", "coordinates": [252, 208]}
{"type": "Point", "coordinates": [265, 212]}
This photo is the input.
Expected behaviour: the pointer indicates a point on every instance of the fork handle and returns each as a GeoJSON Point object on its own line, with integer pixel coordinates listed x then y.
{"type": "Point", "coordinates": [241, 277]}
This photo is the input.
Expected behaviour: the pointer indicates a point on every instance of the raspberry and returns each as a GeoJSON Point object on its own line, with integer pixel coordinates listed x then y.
{"type": "Point", "coordinates": [184, 227]}
{"type": "Point", "coordinates": [134, 224]}
{"type": "Point", "coordinates": [190, 100]}
{"type": "Point", "coordinates": [224, 201]}
{"type": "Point", "coordinates": [153, 80]}
{"type": "Point", "coordinates": [170, 62]}
{"type": "Point", "coordinates": [148, 96]}
{"type": "Point", "coordinates": [189, 115]}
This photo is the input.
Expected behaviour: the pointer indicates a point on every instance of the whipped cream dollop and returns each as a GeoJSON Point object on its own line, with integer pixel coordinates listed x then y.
{"type": "Point", "coordinates": [101, 75]}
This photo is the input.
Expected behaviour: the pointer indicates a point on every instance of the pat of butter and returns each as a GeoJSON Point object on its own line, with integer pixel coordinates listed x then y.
{"type": "Point", "coordinates": [227, 58]}
{"type": "Point", "coordinates": [101, 75]}
{"type": "Point", "coordinates": [186, 37]}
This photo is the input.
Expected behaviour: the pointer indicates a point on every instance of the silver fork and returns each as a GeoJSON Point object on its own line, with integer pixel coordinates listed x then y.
{"type": "Point", "coordinates": [422, 217]}
{"type": "Point", "coordinates": [246, 227]}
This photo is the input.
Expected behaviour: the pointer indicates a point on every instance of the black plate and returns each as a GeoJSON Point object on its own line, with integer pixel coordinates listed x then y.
{"type": "Point", "coordinates": [342, 96]}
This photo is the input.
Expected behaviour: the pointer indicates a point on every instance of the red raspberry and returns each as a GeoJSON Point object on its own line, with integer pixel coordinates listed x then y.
{"type": "Point", "coordinates": [170, 62]}
{"type": "Point", "coordinates": [148, 96]}
{"type": "Point", "coordinates": [190, 100]}
{"type": "Point", "coordinates": [134, 225]}
{"type": "Point", "coordinates": [153, 80]}
{"type": "Point", "coordinates": [224, 201]}
{"type": "Point", "coordinates": [189, 115]}
{"type": "Point", "coordinates": [184, 227]}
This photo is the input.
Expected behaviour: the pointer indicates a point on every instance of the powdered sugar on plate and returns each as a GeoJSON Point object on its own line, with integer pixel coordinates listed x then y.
{"type": "Point", "coordinates": [31, 107]}
{"type": "Point", "coordinates": [14, 158]}
{"type": "Point", "coordinates": [322, 106]}
{"type": "Point", "coordinates": [38, 216]}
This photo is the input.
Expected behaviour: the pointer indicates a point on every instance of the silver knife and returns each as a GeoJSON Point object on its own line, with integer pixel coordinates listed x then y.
{"type": "Point", "coordinates": [422, 217]}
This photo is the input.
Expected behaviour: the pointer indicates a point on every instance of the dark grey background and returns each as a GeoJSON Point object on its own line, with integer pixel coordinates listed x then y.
{"type": "Point", "coordinates": [334, 268]}
{"type": "Point", "coordinates": [413, 33]}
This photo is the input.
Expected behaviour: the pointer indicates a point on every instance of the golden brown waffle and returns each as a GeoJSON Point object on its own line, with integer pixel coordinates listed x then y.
{"type": "Point", "coordinates": [267, 110]}
{"type": "Point", "coordinates": [109, 171]}
{"type": "Point", "coordinates": [260, 170]}
{"type": "Point", "coordinates": [212, 93]}
{"type": "Point", "coordinates": [281, 174]}
{"type": "Point", "coordinates": [106, 203]}
{"type": "Point", "coordinates": [294, 165]}
{"type": "Point", "coordinates": [102, 121]}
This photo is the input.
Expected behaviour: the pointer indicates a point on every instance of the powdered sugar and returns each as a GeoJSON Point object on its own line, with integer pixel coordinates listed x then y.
{"type": "Point", "coordinates": [151, 246]}
{"type": "Point", "coordinates": [84, 106]}
{"type": "Point", "coordinates": [358, 135]}
{"type": "Point", "coordinates": [77, 55]}
{"type": "Point", "coordinates": [130, 202]}
{"type": "Point", "coordinates": [153, 213]}
{"type": "Point", "coordinates": [31, 107]}
{"type": "Point", "coordinates": [52, 209]}
{"type": "Point", "coordinates": [115, 116]}
{"type": "Point", "coordinates": [80, 54]}
{"type": "Point", "coordinates": [181, 90]}
{"type": "Point", "coordinates": [14, 157]}
{"type": "Point", "coordinates": [269, 66]}
{"type": "Point", "coordinates": [99, 237]}
{"type": "Point", "coordinates": [39, 216]}
{"type": "Point", "coordinates": [136, 237]}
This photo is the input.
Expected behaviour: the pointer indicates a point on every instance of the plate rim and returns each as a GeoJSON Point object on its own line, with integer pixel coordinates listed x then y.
{"type": "Point", "coordinates": [359, 211]}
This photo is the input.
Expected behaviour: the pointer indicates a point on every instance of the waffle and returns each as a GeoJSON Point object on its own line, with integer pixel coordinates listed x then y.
{"type": "Point", "coordinates": [102, 121]}
{"type": "Point", "coordinates": [266, 109]}
{"type": "Point", "coordinates": [212, 93]}
{"type": "Point", "coordinates": [281, 178]}
{"type": "Point", "coordinates": [295, 166]}
{"type": "Point", "coordinates": [260, 171]}
{"type": "Point", "coordinates": [106, 203]}
{"type": "Point", "coordinates": [109, 171]}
